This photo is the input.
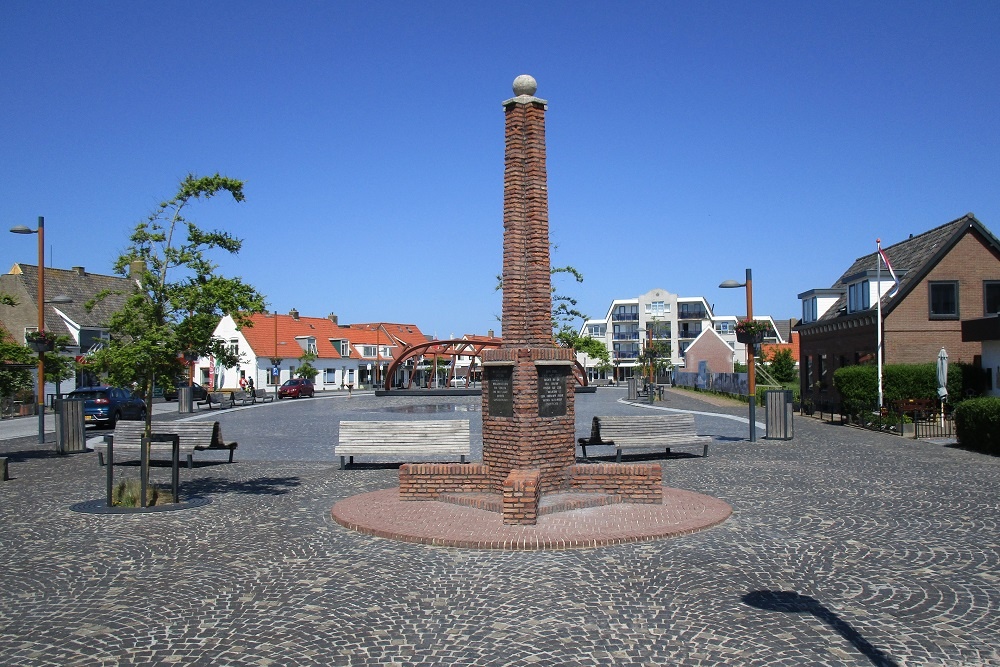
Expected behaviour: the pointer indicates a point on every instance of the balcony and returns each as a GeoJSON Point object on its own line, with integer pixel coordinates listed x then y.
{"type": "Point", "coordinates": [626, 335]}
{"type": "Point", "coordinates": [692, 314]}
{"type": "Point", "coordinates": [689, 333]}
{"type": "Point", "coordinates": [625, 317]}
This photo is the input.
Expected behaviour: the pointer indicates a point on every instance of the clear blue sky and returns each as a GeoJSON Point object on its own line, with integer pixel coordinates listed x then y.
{"type": "Point", "coordinates": [686, 140]}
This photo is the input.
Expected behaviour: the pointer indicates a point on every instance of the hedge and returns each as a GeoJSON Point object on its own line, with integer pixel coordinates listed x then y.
{"type": "Point", "coordinates": [858, 385]}
{"type": "Point", "coordinates": [977, 424]}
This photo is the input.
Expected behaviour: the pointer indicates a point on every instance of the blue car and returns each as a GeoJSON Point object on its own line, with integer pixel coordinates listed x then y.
{"type": "Point", "coordinates": [104, 406]}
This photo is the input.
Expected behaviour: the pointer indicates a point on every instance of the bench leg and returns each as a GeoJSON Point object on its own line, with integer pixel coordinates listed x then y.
{"type": "Point", "coordinates": [618, 458]}
{"type": "Point", "coordinates": [190, 461]}
{"type": "Point", "coordinates": [705, 453]}
{"type": "Point", "coordinates": [231, 452]}
{"type": "Point", "coordinates": [100, 459]}
{"type": "Point", "coordinates": [343, 466]}
{"type": "Point", "coordinates": [667, 451]}
{"type": "Point", "coordinates": [584, 449]}
{"type": "Point", "coordinates": [463, 458]}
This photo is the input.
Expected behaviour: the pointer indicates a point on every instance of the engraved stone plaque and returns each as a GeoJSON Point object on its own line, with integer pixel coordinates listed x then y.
{"type": "Point", "coordinates": [500, 381]}
{"type": "Point", "coordinates": [552, 390]}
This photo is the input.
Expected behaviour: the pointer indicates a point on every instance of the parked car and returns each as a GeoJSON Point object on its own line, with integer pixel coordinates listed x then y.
{"type": "Point", "coordinates": [296, 388]}
{"type": "Point", "coordinates": [171, 393]}
{"type": "Point", "coordinates": [104, 406]}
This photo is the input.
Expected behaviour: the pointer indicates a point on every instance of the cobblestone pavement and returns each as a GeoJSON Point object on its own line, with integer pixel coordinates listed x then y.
{"type": "Point", "coordinates": [845, 548]}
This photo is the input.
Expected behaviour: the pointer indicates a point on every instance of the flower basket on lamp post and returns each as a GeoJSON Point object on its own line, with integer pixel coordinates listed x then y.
{"type": "Point", "coordinates": [40, 343]}
{"type": "Point", "coordinates": [751, 331]}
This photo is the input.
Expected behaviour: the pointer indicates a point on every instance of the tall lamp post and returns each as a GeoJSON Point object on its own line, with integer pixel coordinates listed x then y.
{"type": "Point", "coordinates": [751, 366]}
{"type": "Point", "coordinates": [21, 229]}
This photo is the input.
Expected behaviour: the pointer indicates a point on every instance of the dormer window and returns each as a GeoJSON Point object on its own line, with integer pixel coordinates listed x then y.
{"type": "Point", "coordinates": [809, 313]}
{"type": "Point", "coordinates": [858, 296]}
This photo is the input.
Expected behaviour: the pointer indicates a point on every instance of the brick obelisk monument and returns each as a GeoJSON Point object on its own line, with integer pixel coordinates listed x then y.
{"type": "Point", "coordinates": [528, 415]}
{"type": "Point", "coordinates": [529, 434]}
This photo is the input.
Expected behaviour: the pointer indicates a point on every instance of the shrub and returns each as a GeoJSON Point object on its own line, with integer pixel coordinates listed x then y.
{"type": "Point", "coordinates": [977, 424]}
{"type": "Point", "coordinates": [126, 494]}
{"type": "Point", "coordinates": [858, 385]}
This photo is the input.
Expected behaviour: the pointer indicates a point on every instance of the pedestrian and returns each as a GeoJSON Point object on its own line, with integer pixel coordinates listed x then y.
{"type": "Point", "coordinates": [250, 387]}
{"type": "Point", "coordinates": [243, 383]}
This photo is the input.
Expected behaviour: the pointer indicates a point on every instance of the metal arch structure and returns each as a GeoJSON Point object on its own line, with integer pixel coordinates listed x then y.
{"type": "Point", "coordinates": [454, 348]}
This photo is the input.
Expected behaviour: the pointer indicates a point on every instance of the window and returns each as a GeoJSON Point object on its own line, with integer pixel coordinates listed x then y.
{"type": "Point", "coordinates": [943, 297]}
{"type": "Point", "coordinates": [723, 327]}
{"type": "Point", "coordinates": [234, 345]}
{"type": "Point", "coordinates": [858, 296]}
{"type": "Point", "coordinates": [368, 351]}
{"type": "Point", "coordinates": [991, 297]}
{"type": "Point", "coordinates": [597, 330]}
{"type": "Point", "coordinates": [657, 309]}
{"type": "Point", "coordinates": [809, 310]}
{"type": "Point", "coordinates": [330, 376]}
{"type": "Point", "coordinates": [345, 348]}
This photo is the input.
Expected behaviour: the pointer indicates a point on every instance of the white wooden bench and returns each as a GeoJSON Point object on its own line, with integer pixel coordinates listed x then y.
{"type": "Point", "coordinates": [426, 437]}
{"type": "Point", "coordinates": [194, 437]}
{"type": "Point", "coordinates": [645, 431]}
{"type": "Point", "coordinates": [262, 396]}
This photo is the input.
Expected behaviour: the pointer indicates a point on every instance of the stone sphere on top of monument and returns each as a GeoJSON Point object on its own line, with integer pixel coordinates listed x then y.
{"type": "Point", "coordinates": [525, 85]}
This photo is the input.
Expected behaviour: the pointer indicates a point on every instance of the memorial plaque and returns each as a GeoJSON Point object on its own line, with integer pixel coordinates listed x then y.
{"type": "Point", "coordinates": [500, 383]}
{"type": "Point", "coordinates": [552, 391]}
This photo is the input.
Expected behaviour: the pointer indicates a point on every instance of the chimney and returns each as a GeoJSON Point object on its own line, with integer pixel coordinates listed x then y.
{"type": "Point", "coordinates": [79, 270]}
{"type": "Point", "coordinates": [294, 313]}
{"type": "Point", "coordinates": [332, 317]}
{"type": "Point", "coordinates": [490, 333]}
{"type": "Point", "coordinates": [136, 269]}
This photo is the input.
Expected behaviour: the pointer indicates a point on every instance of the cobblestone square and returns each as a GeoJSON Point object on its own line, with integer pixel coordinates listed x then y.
{"type": "Point", "coordinates": [845, 547]}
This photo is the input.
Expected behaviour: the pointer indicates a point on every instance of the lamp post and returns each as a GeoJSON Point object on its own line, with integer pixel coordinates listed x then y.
{"type": "Point", "coordinates": [751, 366]}
{"type": "Point", "coordinates": [21, 229]}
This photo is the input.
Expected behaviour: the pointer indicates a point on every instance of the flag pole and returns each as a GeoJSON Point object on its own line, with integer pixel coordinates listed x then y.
{"type": "Point", "coordinates": [878, 280]}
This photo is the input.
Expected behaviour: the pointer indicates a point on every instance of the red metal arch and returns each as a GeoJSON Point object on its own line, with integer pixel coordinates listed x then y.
{"type": "Point", "coordinates": [454, 348]}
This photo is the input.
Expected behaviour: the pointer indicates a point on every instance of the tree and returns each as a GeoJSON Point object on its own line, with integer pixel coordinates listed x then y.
{"type": "Point", "coordinates": [782, 365]}
{"type": "Point", "coordinates": [179, 295]}
{"type": "Point", "coordinates": [15, 364]}
{"type": "Point", "coordinates": [305, 368]}
{"type": "Point", "coordinates": [655, 358]}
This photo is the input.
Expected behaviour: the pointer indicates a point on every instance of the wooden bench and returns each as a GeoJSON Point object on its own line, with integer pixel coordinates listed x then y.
{"type": "Point", "coordinates": [241, 396]}
{"type": "Point", "coordinates": [644, 431]}
{"type": "Point", "coordinates": [195, 436]}
{"type": "Point", "coordinates": [262, 396]}
{"type": "Point", "coordinates": [428, 437]}
{"type": "Point", "coordinates": [216, 399]}
{"type": "Point", "coordinates": [917, 408]}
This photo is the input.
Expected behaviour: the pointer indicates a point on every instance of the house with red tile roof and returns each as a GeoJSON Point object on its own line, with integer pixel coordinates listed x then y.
{"type": "Point", "coordinates": [273, 348]}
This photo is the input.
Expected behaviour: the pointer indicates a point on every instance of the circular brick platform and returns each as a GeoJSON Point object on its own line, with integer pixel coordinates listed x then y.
{"type": "Point", "coordinates": [383, 514]}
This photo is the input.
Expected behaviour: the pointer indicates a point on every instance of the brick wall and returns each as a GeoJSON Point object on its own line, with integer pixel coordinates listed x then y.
{"type": "Point", "coordinates": [636, 482]}
{"type": "Point", "coordinates": [911, 337]}
{"type": "Point", "coordinates": [520, 497]}
{"type": "Point", "coordinates": [711, 349]}
{"type": "Point", "coordinates": [426, 481]}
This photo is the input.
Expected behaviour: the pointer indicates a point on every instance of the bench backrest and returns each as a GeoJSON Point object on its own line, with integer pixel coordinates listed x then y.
{"type": "Point", "coordinates": [192, 434]}
{"type": "Point", "coordinates": [679, 423]}
{"type": "Point", "coordinates": [239, 395]}
{"type": "Point", "coordinates": [217, 397]}
{"type": "Point", "coordinates": [419, 432]}
{"type": "Point", "coordinates": [260, 393]}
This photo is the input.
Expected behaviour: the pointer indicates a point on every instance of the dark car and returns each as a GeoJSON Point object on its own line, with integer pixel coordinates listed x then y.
{"type": "Point", "coordinates": [296, 388]}
{"type": "Point", "coordinates": [198, 392]}
{"type": "Point", "coordinates": [104, 405]}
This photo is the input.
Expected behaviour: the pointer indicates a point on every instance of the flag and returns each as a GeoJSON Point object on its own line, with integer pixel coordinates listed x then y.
{"type": "Point", "coordinates": [892, 273]}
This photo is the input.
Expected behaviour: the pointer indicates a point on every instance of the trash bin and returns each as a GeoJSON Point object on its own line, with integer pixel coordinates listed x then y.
{"type": "Point", "coordinates": [185, 400]}
{"type": "Point", "coordinates": [70, 431]}
{"type": "Point", "coordinates": [633, 389]}
{"type": "Point", "coordinates": [778, 414]}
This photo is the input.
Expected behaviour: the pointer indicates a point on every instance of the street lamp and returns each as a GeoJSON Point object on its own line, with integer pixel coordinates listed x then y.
{"type": "Point", "coordinates": [751, 366]}
{"type": "Point", "coordinates": [21, 229]}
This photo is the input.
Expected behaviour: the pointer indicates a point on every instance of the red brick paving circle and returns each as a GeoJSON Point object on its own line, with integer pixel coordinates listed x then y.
{"type": "Point", "coordinates": [383, 514]}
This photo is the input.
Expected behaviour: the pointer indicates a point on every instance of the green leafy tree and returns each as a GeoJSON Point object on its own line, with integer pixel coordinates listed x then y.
{"type": "Point", "coordinates": [655, 359]}
{"type": "Point", "coordinates": [15, 367]}
{"type": "Point", "coordinates": [179, 294]}
{"type": "Point", "coordinates": [782, 365]}
{"type": "Point", "coordinates": [305, 368]}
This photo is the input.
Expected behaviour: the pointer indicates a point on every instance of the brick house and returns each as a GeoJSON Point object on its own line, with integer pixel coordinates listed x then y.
{"type": "Point", "coordinates": [947, 274]}
{"type": "Point", "coordinates": [709, 347]}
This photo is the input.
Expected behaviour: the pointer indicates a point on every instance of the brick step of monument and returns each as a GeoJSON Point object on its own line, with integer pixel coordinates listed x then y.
{"type": "Point", "coordinates": [550, 503]}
